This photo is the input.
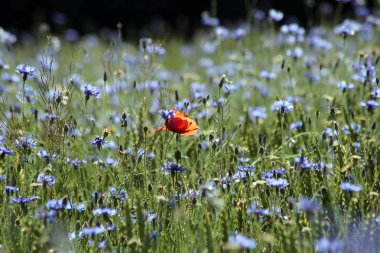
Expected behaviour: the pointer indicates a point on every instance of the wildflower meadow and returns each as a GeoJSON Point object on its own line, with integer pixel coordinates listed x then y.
{"type": "Point", "coordinates": [261, 136]}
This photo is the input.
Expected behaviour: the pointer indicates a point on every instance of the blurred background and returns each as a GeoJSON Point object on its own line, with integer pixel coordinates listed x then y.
{"type": "Point", "coordinates": [155, 17]}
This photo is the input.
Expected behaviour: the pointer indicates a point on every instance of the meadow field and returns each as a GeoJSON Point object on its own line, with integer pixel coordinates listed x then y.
{"type": "Point", "coordinates": [259, 137]}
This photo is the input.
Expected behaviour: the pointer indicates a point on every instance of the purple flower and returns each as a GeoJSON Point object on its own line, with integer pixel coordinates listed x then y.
{"type": "Point", "coordinates": [343, 86]}
{"type": "Point", "coordinates": [295, 54]}
{"type": "Point", "coordinates": [267, 75]}
{"type": "Point", "coordinates": [23, 200]}
{"type": "Point", "coordinates": [90, 91]}
{"type": "Point", "coordinates": [275, 15]}
{"type": "Point", "coordinates": [370, 104]}
{"type": "Point", "coordinates": [192, 194]}
{"type": "Point", "coordinates": [279, 183]}
{"type": "Point", "coordinates": [209, 21]}
{"type": "Point", "coordinates": [25, 143]}
{"type": "Point", "coordinates": [5, 152]}
{"type": "Point", "coordinates": [99, 141]}
{"type": "Point", "coordinates": [240, 241]}
{"type": "Point", "coordinates": [92, 231]}
{"type": "Point", "coordinates": [354, 127]}
{"type": "Point", "coordinates": [104, 211]}
{"type": "Point", "coordinates": [257, 113]}
{"type": "Point", "coordinates": [253, 209]}
{"type": "Point", "coordinates": [26, 70]}
{"type": "Point", "coordinates": [347, 186]}
{"type": "Point", "coordinates": [376, 93]}
{"type": "Point", "coordinates": [329, 133]}
{"type": "Point", "coordinates": [46, 216]}
{"type": "Point", "coordinates": [348, 27]}
{"type": "Point", "coordinates": [367, 73]}
{"type": "Point", "coordinates": [173, 167]}
{"type": "Point", "coordinates": [303, 163]}
{"type": "Point", "coordinates": [9, 190]}
{"type": "Point", "coordinates": [198, 90]}
{"type": "Point", "coordinates": [296, 125]}
{"type": "Point", "coordinates": [167, 114]}
{"type": "Point", "coordinates": [56, 204]}
{"type": "Point", "coordinates": [309, 206]}
{"type": "Point", "coordinates": [282, 106]}
{"type": "Point", "coordinates": [48, 180]}
{"type": "Point", "coordinates": [325, 245]}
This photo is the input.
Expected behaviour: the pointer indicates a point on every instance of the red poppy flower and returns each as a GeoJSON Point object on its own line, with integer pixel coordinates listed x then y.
{"type": "Point", "coordinates": [178, 122]}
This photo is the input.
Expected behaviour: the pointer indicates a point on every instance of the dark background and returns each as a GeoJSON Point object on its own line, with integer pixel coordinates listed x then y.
{"type": "Point", "coordinates": [143, 15]}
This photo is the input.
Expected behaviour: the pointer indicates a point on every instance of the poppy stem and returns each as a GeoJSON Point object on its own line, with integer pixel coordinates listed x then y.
{"type": "Point", "coordinates": [167, 145]}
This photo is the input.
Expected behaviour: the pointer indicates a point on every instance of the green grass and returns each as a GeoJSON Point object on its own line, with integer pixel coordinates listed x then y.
{"type": "Point", "coordinates": [154, 200]}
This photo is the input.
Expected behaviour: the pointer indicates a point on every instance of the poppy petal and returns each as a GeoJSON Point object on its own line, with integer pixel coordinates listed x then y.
{"type": "Point", "coordinates": [178, 124]}
{"type": "Point", "coordinates": [161, 128]}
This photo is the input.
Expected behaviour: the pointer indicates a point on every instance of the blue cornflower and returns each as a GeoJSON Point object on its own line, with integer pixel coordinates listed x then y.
{"type": "Point", "coordinates": [353, 126]}
{"type": "Point", "coordinates": [99, 141]}
{"type": "Point", "coordinates": [329, 133]}
{"type": "Point", "coordinates": [347, 186]}
{"type": "Point", "coordinates": [23, 200]}
{"type": "Point", "coordinates": [322, 166]}
{"type": "Point", "coordinates": [51, 117]}
{"type": "Point", "coordinates": [239, 241]}
{"type": "Point", "coordinates": [25, 70]}
{"type": "Point", "coordinates": [275, 15]}
{"type": "Point", "coordinates": [10, 78]}
{"type": "Point", "coordinates": [192, 194]}
{"type": "Point", "coordinates": [279, 183]}
{"type": "Point", "coordinates": [90, 91]}
{"type": "Point", "coordinates": [367, 73]}
{"type": "Point", "coordinates": [356, 145]}
{"type": "Point", "coordinates": [56, 204]}
{"type": "Point", "coordinates": [295, 54]}
{"type": "Point", "coordinates": [376, 93]}
{"type": "Point", "coordinates": [5, 152]}
{"type": "Point", "coordinates": [198, 90]}
{"type": "Point", "coordinates": [309, 206]}
{"type": "Point", "coordinates": [78, 206]}
{"type": "Point", "coordinates": [370, 104]}
{"type": "Point", "coordinates": [209, 21]}
{"type": "Point", "coordinates": [46, 216]}
{"type": "Point", "coordinates": [303, 163]}
{"type": "Point", "coordinates": [253, 209]}
{"type": "Point", "coordinates": [325, 245]}
{"type": "Point", "coordinates": [3, 177]}
{"type": "Point", "coordinates": [104, 211]}
{"type": "Point", "coordinates": [92, 231]}
{"type": "Point", "coordinates": [343, 86]}
{"type": "Point", "coordinates": [244, 169]}
{"type": "Point", "coordinates": [25, 142]}
{"type": "Point", "coordinates": [348, 27]}
{"type": "Point", "coordinates": [9, 190]}
{"type": "Point", "coordinates": [48, 180]}
{"type": "Point", "coordinates": [258, 14]}
{"type": "Point", "coordinates": [296, 125]}
{"type": "Point", "coordinates": [239, 33]}
{"type": "Point", "coordinates": [167, 114]}
{"type": "Point", "coordinates": [221, 101]}
{"type": "Point", "coordinates": [257, 113]}
{"type": "Point", "coordinates": [274, 173]}
{"type": "Point", "coordinates": [112, 190]}
{"type": "Point", "coordinates": [282, 106]}
{"type": "Point", "coordinates": [268, 75]}
{"type": "Point", "coordinates": [172, 167]}
{"type": "Point", "coordinates": [146, 45]}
